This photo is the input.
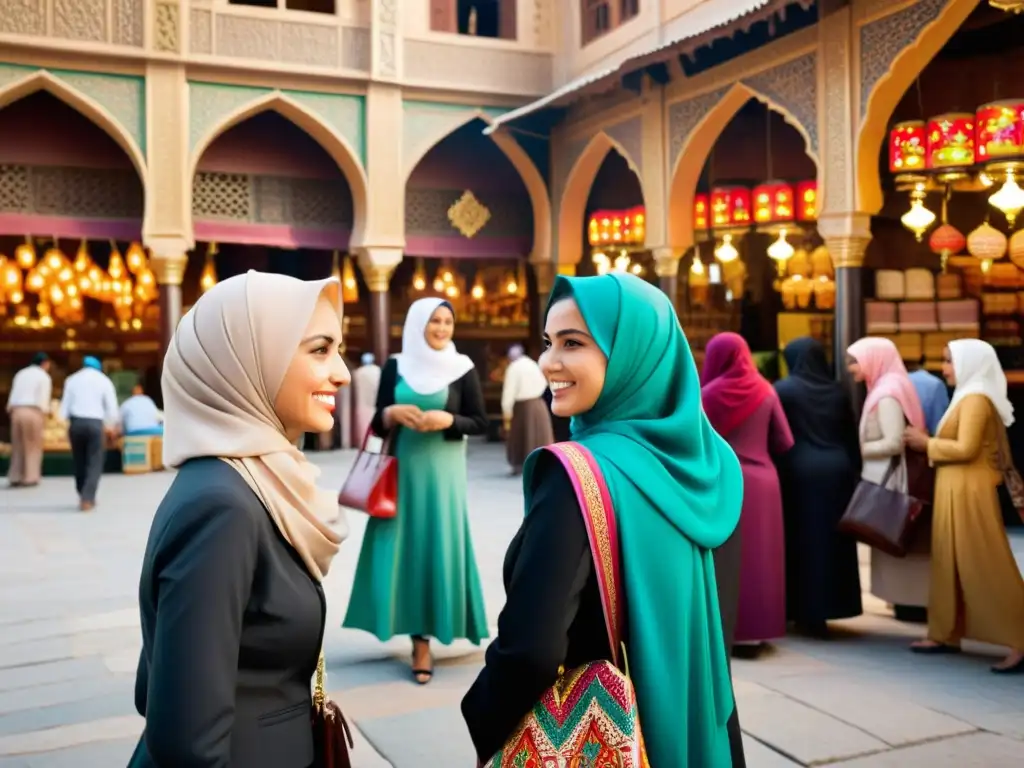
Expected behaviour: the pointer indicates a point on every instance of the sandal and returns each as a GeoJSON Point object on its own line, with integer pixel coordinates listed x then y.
{"type": "Point", "coordinates": [422, 675]}
{"type": "Point", "coordinates": [1017, 668]}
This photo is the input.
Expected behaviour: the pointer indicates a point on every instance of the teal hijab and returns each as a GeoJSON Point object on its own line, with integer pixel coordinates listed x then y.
{"type": "Point", "coordinates": [677, 491]}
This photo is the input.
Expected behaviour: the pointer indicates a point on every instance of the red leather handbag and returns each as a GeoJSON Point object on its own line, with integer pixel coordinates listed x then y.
{"type": "Point", "coordinates": [372, 483]}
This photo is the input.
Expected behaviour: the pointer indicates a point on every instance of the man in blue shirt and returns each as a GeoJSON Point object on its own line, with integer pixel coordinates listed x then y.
{"type": "Point", "coordinates": [140, 416]}
{"type": "Point", "coordinates": [931, 391]}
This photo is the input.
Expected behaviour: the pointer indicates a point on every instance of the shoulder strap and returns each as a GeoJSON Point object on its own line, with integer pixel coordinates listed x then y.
{"type": "Point", "coordinates": [599, 516]}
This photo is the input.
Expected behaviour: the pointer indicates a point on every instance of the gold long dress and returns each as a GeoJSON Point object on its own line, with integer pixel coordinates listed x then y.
{"type": "Point", "coordinates": [976, 587]}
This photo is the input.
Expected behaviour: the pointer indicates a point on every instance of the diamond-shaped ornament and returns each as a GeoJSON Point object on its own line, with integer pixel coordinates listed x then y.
{"type": "Point", "coordinates": [468, 215]}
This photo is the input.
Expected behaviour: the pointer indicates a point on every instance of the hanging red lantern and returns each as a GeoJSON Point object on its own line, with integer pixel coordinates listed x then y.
{"type": "Point", "coordinates": [948, 239]}
{"type": "Point", "coordinates": [907, 146]}
{"type": "Point", "coordinates": [807, 201]}
{"type": "Point", "coordinates": [730, 207]}
{"type": "Point", "coordinates": [700, 212]}
{"type": "Point", "coordinates": [999, 130]}
{"type": "Point", "coordinates": [951, 140]}
{"type": "Point", "coordinates": [773, 201]}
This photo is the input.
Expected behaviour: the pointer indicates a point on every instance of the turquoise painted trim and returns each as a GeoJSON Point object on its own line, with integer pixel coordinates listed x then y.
{"type": "Point", "coordinates": [346, 113]}
{"type": "Point", "coordinates": [123, 96]}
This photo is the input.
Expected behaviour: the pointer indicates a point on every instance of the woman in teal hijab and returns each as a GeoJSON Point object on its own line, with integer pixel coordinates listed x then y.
{"type": "Point", "coordinates": [619, 365]}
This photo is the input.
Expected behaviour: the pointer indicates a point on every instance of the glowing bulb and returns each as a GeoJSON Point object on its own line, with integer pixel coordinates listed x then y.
{"type": "Point", "coordinates": [419, 282]}
{"type": "Point", "coordinates": [781, 250]}
{"type": "Point", "coordinates": [439, 285]}
{"type": "Point", "coordinates": [25, 255]}
{"type": "Point", "coordinates": [918, 218]}
{"type": "Point", "coordinates": [477, 292]}
{"type": "Point", "coordinates": [637, 269]}
{"type": "Point", "coordinates": [1009, 199]}
{"type": "Point", "coordinates": [512, 286]}
{"type": "Point", "coordinates": [697, 267]}
{"type": "Point", "coordinates": [621, 262]}
{"type": "Point", "coordinates": [451, 291]}
{"type": "Point", "coordinates": [726, 252]}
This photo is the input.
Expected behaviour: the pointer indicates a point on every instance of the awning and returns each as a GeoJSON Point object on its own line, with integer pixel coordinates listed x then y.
{"type": "Point", "coordinates": [700, 23]}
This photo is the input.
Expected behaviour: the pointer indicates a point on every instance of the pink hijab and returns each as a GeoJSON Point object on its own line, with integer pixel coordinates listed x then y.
{"type": "Point", "coordinates": [731, 386]}
{"type": "Point", "coordinates": [886, 376]}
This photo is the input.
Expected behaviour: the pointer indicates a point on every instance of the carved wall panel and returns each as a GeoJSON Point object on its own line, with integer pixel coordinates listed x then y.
{"type": "Point", "coordinates": [166, 32]}
{"type": "Point", "coordinates": [387, 39]}
{"type": "Point", "coordinates": [118, 22]}
{"type": "Point", "coordinates": [200, 31]}
{"type": "Point", "coordinates": [426, 213]}
{"type": "Point", "coordinates": [882, 40]}
{"type": "Point", "coordinates": [629, 135]}
{"type": "Point", "coordinates": [313, 203]}
{"type": "Point", "coordinates": [685, 116]}
{"type": "Point", "coordinates": [121, 95]}
{"type": "Point", "coordinates": [89, 193]}
{"type": "Point", "coordinates": [512, 72]}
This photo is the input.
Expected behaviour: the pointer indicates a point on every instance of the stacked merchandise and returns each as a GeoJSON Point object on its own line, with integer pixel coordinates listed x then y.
{"type": "Point", "coordinates": [920, 312]}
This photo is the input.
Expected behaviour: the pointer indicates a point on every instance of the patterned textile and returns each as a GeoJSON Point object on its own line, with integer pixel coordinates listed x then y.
{"type": "Point", "coordinates": [588, 719]}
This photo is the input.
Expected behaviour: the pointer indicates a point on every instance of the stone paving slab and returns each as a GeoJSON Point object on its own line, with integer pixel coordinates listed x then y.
{"type": "Point", "coordinates": [69, 642]}
{"type": "Point", "coordinates": [980, 750]}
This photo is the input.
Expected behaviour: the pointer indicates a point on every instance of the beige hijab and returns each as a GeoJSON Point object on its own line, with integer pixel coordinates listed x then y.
{"type": "Point", "coordinates": [221, 376]}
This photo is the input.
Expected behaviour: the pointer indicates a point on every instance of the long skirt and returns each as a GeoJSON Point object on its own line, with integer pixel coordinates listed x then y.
{"type": "Point", "coordinates": [530, 429]}
{"type": "Point", "coordinates": [761, 613]}
{"type": "Point", "coordinates": [417, 574]}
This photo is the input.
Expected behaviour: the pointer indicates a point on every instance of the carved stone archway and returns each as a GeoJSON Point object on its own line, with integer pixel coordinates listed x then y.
{"type": "Point", "coordinates": [578, 183]}
{"type": "Point", "coordinates": [537, 190]}
{"type": "Point", "coordinates": [887, 92]}
{"type": "Point", "coordinates": [327, 137]}
{"type": "Point", "coordinates": [694, 152]}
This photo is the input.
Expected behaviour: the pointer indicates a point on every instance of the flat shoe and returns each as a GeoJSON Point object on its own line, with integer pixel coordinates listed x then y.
{"type": "Point", "coordinates": [935, 650]}
{"type": "Point", "coordinates": [1014, 669]}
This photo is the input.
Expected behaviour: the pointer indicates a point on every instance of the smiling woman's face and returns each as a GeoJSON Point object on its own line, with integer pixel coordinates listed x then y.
{"type": "Point", "coordinates": [572, 362]}
{"type": "Point", "coordinates": [305, 401]}
{"type": "Point", "coordinates": [440, 328]}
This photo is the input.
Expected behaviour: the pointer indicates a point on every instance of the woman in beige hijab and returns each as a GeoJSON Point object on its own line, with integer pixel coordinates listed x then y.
{"type": "Point", "coordinates": [230, 596]}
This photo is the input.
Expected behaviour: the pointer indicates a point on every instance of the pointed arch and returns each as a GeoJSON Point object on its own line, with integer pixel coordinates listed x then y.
{"type": "Point", "coordinates": [327, 137]}
{"type": "Point", "coordinates": [573, 202]}
{"type": "Point", "coordinates": [889, 90]}
{"type": "Point", "coordinates": [696, 148]}
{"type": "Point", "coordinates": [536, 188]}
{"type": "Point", "coordinates": [95, 112]}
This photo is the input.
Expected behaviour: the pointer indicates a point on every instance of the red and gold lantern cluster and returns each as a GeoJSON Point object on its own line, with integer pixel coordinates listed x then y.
{"type": "Point", "coordinates": [622, 228]}
{"type": "Point", "coordinates": [730, 208]}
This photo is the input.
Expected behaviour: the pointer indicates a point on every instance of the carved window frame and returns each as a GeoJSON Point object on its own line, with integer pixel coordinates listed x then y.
{"type": "Point", "coordinates": [600, 17]}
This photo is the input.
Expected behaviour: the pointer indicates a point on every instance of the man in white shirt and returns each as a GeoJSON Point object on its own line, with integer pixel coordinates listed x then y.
{"type": "Point", "coordinates": [523, 409]}
{"type": "Point", "coordinates": [140, 416]}
{"type": "Point", "coordinates": [28, 405]}
{"type": "Point", "coordinates": [89, 404]}
{"type": "Point", "coordinates": [365, 383]}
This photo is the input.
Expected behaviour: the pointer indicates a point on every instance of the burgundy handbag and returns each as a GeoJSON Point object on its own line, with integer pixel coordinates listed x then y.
{"type": "Point", "coordinates": [880, 517]}
{"type": "Point", "coordinates": [332, 738]}
{"type": "Point", "coordinates": [372, 483]}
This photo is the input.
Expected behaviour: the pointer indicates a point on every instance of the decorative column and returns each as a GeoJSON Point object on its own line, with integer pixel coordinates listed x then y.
{"type": "Point", "coordinates": [544, 279]}
{"type": "Point", "coordinates": [377, 265]}
{"type": "Point", "coordinates": [846, 237]}
{"type": "Point", "coordinates": [666, 266]}
{"type": "Point", "coordinates": [169, 272]}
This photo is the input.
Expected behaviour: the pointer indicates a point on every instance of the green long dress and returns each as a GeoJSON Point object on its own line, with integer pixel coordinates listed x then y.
{"type": "Point", "coordinates": [416, 573]}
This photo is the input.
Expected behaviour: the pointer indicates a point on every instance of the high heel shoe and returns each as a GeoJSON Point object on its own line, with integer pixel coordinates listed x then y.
{"type": "Point", "coordinates": [422, 675]}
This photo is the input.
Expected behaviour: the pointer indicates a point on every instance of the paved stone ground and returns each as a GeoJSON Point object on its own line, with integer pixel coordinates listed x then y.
{"type": "Point", "coordinates": [69, 643]}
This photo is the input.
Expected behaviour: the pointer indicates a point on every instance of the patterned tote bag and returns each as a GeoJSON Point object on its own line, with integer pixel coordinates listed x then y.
{"type": "Point", "coordinates": [588, 719]}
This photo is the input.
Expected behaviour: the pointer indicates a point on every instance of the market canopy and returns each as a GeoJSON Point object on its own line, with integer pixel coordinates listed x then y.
{"type": "Point", "coordinates": [702, 24]}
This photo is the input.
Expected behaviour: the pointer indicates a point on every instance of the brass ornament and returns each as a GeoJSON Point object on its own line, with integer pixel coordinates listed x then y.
{"type": "Point", "coordinates": [468, 215]}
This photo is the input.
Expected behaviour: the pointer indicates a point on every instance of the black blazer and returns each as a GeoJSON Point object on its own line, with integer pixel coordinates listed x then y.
{"type": "Point", "coordinates": [465, 403]}
{"type": "Point", "coordinates": [232, 625]}
{"type": "Point", "coordinates": [552, 615]}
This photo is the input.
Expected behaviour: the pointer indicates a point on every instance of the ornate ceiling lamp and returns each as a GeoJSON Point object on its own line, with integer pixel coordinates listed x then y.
{"type": "Point", "coordinates": [25, 254]}
{"type": "Point", "coordinates": [807, 201]}
{"type": "Point", "coordinates": [1000, 144]}
{"type": "Point", "coordinates": [701, 217]}
{"type": "Point", "coordinates": [135, 258]}
{"type": "Point", "coordinates": [419, 276]}
{"type": "Point", "coordinates": [726, 252]}
{"type": "Point", "coordinates": [987, 244]}
{"type": "Point", "coordinates": [918, 219]}
{"type": "Point", "coordinates": [349, 285]}
{"type": "Point", "coordinates": [478, 291]}
{"type": "Point", "coordinates": [951, 146]}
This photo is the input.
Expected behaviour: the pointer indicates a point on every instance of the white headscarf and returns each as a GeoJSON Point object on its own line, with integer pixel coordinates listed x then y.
{"type": "Point", "coordinates": [978, 372]}
{"type": "Point", "coordinates": [427, 370]}
{"type": "Point", "coordinates": [222, 373]}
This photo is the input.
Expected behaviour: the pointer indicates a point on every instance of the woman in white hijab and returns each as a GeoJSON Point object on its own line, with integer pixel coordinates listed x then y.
{"type": "Point", "coordinates": [230, 595]}
{"type": "Point", "coordinates": [417, 574]}
{"type": "Point", "coordinates": [976, 587]}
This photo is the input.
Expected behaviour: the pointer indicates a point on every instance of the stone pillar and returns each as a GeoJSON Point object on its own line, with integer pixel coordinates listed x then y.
{"type": "Point", "coordinates": [544, 280]}
{"type": "Point", "coordinates": [846, 237]}
{"type": "Point", "coordinates": [377, 265]}
{"type": "Point", "coordinates": [666, 266]}
{"type": "Point", "coordinates": [169, 272]}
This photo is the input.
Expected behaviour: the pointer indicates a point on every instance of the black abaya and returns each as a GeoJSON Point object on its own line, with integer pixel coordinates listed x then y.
{"type": "Point", "coordinates": [818, 477]}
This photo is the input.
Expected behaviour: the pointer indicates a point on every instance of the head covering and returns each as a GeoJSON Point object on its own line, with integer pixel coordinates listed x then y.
{"type": "Point", "coordinates": [885, 376]}
{"type": "Point", "coordinates": [515, 352]}
{"type": "Point", "coordinates": [817, 406]}
{"type": "Point", "coordinates": [677, 490]}
{"type": "Point", "coordinates": [92, 362]}
{"type": "Point", "coordinates": [731, 386]}
{"type": "Point", "coordinates": [39, 358]}
{"type": "Point", "coordinates": [222, 373]}
{"type": "Point", "coordinates": [427, 370]}
{"type": "Point", "coordinates": [368, 358]}
{"type": "Point", "coordinates": [978, 372]}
